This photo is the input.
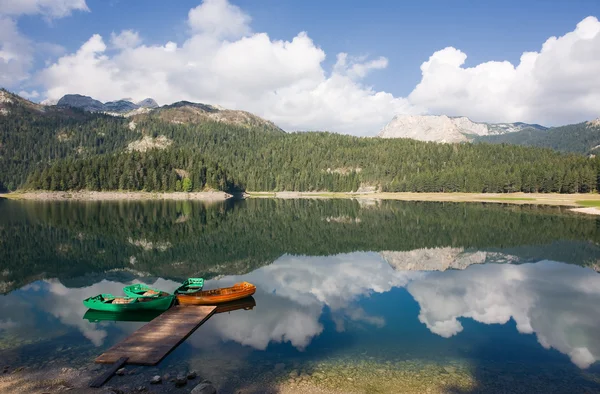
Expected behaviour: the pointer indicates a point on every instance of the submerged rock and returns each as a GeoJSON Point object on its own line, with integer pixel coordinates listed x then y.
{"type": "Point", "coordinates": [205, 387]}
{"type": "Point", "coordinates": [192, 375]}
{"type": "Point", "coordinates": [156, 379]}
{"type": "Point", "coordinates": [120, 372]}
{"type": "Point", "coordinates": [180, 381]}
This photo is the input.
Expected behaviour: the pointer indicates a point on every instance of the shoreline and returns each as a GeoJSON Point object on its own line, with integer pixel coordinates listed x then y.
{"type": "Point", "coordinates": [115, 196]}
{"type": "Point", "coordinates": [576, 202]}
{"type": "Point", "coordinates": [572, 201]}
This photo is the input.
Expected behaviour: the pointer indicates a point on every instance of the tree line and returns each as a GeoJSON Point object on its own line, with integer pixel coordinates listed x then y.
{"type": "Point", "coordinates": [78, 150]}
{"type": "Point", "coordinates": [156, 170]}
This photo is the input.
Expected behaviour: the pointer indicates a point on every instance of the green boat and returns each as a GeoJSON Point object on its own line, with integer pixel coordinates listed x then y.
{"type": "Point", "coordinates": [139, 316]}
{"type": "Point", "coordinates": [108, 302]}
{"type": "Point", "coordinates": [191, 285]}
{"type": "Point", "coordinates": [142, 290]}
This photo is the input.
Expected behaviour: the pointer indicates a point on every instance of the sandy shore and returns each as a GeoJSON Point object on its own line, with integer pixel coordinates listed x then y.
{"type": "Point", "coordinates": [106, 196]}
{"type": "Point", "coordinates": [589, 210]}
{"type": "Point", "coordinates": [504, 198]}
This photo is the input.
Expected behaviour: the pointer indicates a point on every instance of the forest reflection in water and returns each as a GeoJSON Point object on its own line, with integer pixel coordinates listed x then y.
{"type": "Point", "coordinates": [397, 281]}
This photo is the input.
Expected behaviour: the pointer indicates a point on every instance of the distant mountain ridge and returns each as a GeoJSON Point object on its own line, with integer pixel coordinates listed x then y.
{"type": "Point", "coordinates": [87, 103]}
{"type": "Point", "coordinates": [446, 129]}
{"type": "Point", "coordinates": [578, 138]}
{"type": "Point", "coordinates": [181, 112]}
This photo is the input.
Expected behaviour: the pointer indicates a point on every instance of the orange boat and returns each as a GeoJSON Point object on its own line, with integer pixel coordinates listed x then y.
{"type": "Point", "coordinates": [218, 296]}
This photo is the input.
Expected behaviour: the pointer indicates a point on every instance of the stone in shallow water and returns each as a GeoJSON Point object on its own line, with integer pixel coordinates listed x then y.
{"type": "Point", "coordinates": [120, 371]}
{"type": "Point", "coordinates": [205, 387]}
{"type": "Point", "coordinates": [180, 381]}
{"type": "Point", "coordinates": [156, 379]}
{"type": "Point", "coordinates": [192, 375]}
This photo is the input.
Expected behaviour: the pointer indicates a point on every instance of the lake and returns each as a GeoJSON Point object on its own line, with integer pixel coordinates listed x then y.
{"type": "Point", "coordinates": [352, 296]}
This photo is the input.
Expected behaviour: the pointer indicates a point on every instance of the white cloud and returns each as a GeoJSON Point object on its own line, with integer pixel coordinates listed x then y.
{"type": "Point", "coordinates": [557, 85]}
{"type": "Point", "coordinates": [48, 8]}
{"type": "Point", "coordinates": [222, 62]}
{"type": "Point", "coordinates": [125, 39]}
{"type": "Point", "coordinates": [219, 19]}
{"type": "Point", "coordinates": [16, 54]}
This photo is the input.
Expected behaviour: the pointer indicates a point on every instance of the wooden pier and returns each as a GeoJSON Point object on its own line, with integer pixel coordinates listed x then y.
{"type": "Point", "coordinates": [152, 342]}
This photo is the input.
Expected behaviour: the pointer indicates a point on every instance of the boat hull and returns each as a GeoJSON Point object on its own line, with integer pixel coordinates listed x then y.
{"type": "Point", "coordinates": [99, 303]}
{"type": "Point", "coordinates": [218, 296]}
{"type": "Point", "coordinates": [95, 316]}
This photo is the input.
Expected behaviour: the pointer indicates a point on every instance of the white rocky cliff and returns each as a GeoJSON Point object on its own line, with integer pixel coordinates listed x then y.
{"type": "Point", "coordinates": [442, 128]}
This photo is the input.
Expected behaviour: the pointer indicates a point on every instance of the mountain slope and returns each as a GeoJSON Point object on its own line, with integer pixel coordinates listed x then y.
{"type": "Point", "coordinates": [185, 112]}
{"type": "Point", "coordinates": [579, 138]}
{"type": "Point", "coordinates": [446, 129]}
{"type": "Point", "coordinates": [63, 148]}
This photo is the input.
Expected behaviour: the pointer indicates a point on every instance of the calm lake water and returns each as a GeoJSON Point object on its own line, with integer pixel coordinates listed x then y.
{"type": "Point", "coordinates": [366, 296]}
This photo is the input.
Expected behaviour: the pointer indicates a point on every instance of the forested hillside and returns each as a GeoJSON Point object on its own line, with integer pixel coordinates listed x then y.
{"type": "Point", "coordinates": [579, 138]}
{"type": "Point", "coordinates": [66, 149]}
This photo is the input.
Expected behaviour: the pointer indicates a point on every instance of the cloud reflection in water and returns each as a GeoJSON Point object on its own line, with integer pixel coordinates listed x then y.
{"type": "Point", "coordinates": [559, 303]}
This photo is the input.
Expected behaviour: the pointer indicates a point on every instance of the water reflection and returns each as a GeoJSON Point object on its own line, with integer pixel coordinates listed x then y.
{"type": "Point", "coordinates": [297, 295]}
{"type": "Point", "coordinates": [390, 282]}
{"type": "Point", "coordinates": [558, 303]}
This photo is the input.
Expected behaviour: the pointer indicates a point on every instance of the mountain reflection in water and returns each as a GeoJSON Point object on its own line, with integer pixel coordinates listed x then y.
{"type": "Point", "coordinates": [406, 281]}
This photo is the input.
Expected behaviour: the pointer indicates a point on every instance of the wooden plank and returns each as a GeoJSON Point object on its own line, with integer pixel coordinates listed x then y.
{"type": "Point", "coordinates": [100, 380]}
{"type": "Point", "coordinates": [152, 342]}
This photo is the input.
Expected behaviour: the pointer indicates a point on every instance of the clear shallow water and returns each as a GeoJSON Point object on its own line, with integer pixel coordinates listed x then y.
{"type": "Point", "coordinates": [459, 297]}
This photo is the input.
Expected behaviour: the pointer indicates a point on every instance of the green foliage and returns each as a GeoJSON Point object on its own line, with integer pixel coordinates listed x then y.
{"type": "Point", "coordinates": [31, 140]}
{"type": "Point", "coordinates": [58, 151]}
{"type": "Point", "coordinates": [154, 170]}
{"type": "Point", "coordinates": [578, 138]}
{"type": "Point", "coordinates": [187, 185]}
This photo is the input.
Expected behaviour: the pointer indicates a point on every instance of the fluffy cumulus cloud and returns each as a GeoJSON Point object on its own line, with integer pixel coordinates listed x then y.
{"type": "Point", "coordinates": [17, 52]}
{"type": "Point", "coordinates": [559, 84]}
{"type": "Point", "coordinates": [223, 62]}
{"type": "Point", "coordinates": [48, 8]}
{"type": "Point", "coordinates": [557, 302]}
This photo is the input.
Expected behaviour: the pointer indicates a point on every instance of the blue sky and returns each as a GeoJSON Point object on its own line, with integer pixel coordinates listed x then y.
{"type": "Point", "coordinates": [406, 33]}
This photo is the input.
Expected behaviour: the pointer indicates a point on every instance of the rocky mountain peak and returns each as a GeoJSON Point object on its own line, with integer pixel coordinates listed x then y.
{"type": "Point", "coordinates": [147, 103]}
{"type": "Point", "coordinates": [79, 101]}
{"type": "Point", "coordinates": [89, 104]}
{"type": "Point", "coordinates": [442, 128]}
{"type": "Point", "coordinates": [594, 123]}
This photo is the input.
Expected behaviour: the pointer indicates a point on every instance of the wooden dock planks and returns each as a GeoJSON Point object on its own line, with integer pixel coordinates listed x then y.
{"type": "Point", "coordinates": [152, 342]}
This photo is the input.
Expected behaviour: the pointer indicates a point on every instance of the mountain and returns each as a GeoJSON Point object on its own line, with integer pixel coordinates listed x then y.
{"type": "Point", "coordinates": [185, 112]}
{"type": "Point", "coordinates": [85, 103]}
{"type": "Point", "coordinates": [147, 103]}
{"type": "Point", "coordinates": [64, 148]}
{"type": "Point", "coordinates": [120, 106]}
{"type": "Point", "coordinates": [578, 138]}
{"type": "Point", "coordinates": [181, 112]}
{"type": "Point", "coordinates": [442, 128]}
